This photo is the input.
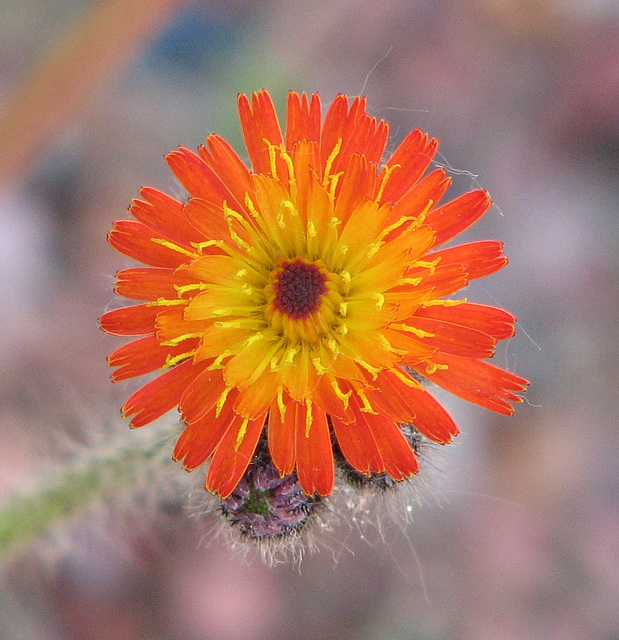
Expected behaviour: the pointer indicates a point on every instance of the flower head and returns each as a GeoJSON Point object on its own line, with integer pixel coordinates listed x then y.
{"type": "Point", "coordinates": [307, 296]}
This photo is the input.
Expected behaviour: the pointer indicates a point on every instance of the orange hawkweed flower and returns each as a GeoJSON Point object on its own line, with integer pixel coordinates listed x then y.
{"type": "Point", "coordinates": [307, 297]}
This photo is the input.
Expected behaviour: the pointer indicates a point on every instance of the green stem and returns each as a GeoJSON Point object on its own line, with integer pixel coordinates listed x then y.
{"type": "Point", "coordinates": [28, 516]}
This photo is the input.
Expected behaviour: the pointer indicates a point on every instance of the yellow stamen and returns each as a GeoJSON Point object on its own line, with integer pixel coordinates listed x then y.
{"type": "Point", "coordinates": [367, 407]}
{"type": "Point", "coordinates": [309, 418]}
{"type": "Point", "coordinates": [427, 265]}
{"type": "Point", "coordinates": [240, 436]}
{"type": "Point", "coordinates": [414, 281]}
{"type": "Point", "coordinates": [216, 364]}
{"type": "Point", "coordinates": [335, 178]}
{"type": "Point", "coordinates": [420, 333]}
{"type": "Point", "coordinates": [200, 246]}
{"type": "Point", "coordinates": [175, 247]}
{"type": "Point", "coordinates": [225, 311]}
{"type": "Point", "coordinates": [387, 346]}
{"type": "Point", "coordinates": [170, 361]}
{"type": "Point", "coordinates": [200, 286]}
{"type": "Point", "coordinates": [292, 181]}
{"type": "Point", "coordinates": [291, 352]}
{"type": "Point", "coordinates": [311, 229]}
{"type": "Point", "coordinates": [380, 300]}
{"type": "Point", "coordinates": [422, 216]}
{"type": "Point", "coordinates": [249, 203]}
{"type": "Point", "coordinates": [344, 397]}
{"type": "Point", "coordinates": [330, 161]}
{"type": "Point", "coordinates": [281, 405]}
{"type": "Point", "coordinates": [433, 367]}
{"type": "Point", "coordinates": [221, 401]}
{"type": "Point", "coordinates": [228, 324]}
{"type": "Point", "coordinates": [255, 338]}
{"type": "Point", "coordinates": [343, 309]}
{"type": "Point", "coordinates": [442, 303]}
{"type": "Point", "coordinates": [385, 232]}
{"type": "Point", "coordinates": [407, 380]}
{"type": "Point", "coordinates": [373, 249]}
{"type": "Point", "coordinates": [173, 342]}
{"type": "Point", "coordinates": [164, 302]}
{"type": "Point", "coordinates": [333, 346]}
{"type": "Point", "coordinates": [272, 158]}
{"type": "Point", "coordinates": [368, 367]}
{"type": "Point", "coordinates": [320, 369]}
{"type": "Point", "coordinates": [383, 184]}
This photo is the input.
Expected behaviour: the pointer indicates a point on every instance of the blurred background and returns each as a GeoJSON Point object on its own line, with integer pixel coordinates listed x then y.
{"type": "Point", "coordinates": [518, 539]}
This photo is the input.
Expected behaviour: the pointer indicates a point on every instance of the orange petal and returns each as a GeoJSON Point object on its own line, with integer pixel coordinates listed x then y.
{"type": "Point", "coordinates": [399, 459]}
{"type": "Point", "coordinates": [233, 455]}
{"type": "Point", "coordinates": [165, 216]}
{"type": "Point", "coordinates": [225, 162]}
{"type": "Point", "coordinates": [143, 356]}
{"type": "Point", "coordinates": [478, 259]}
{"type": "Point", "coordinates": [160, 395]}
{"type": "Point", "coordinates": [454, 338]}
{"type": "Point", "coordinates": [413, 157]}
{"type": "Point", "coordinates": [281, 435]}
{"type": "Point", "coordinates": [202, 394]}
{"type": "Point", "coordinates": [303, 119]}
{"type": "Point", "coordinates": [410, 403]}
{"type": "Point", "coordinates": [314, 452]}
{"type": "Point", "coordinates": [197, 177]}
{"type": "Point", "coordinates": [136, 241]}
{"type": "Point", "coordinates": [357, 442]}
{"type": "Point", "coordinates": [198, 440]}
{"type": "Point", "coordinates": [144, 283]}
{"type": "Point", "coordinates": [137, 320]}
{"type": "Point", "coordinates": [414, 201]}
{"type": "Point", "coordinates": [478, 381]}
{"type": "Point", "coordinates": [259, 123]}
{"type": "Point", "coordinates": [459, 214]}
{"type": "Point", "coordinates": [491, 320]}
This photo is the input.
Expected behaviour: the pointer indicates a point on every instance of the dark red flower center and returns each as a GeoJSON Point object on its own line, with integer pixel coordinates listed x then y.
{"type": "Point", "coordinates": [299, 287]}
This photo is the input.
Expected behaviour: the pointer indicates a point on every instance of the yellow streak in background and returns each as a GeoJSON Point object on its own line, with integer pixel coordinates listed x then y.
{"type": "Point", "coordinates": [82, 63]}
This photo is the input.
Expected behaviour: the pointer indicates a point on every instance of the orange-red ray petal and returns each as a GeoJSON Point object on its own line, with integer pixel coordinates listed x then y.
{"type": "Point", "coordinates": [314, 452]}
{"type": "Point", "coordinates": [454, 217]}
{"type": "Point", "coordinates": [160, 395]}
{"type": "Point", "coordinates": [281, 435]}
{"type": "Point", "coordinates": [202, 395]}
{"type": "Point", "coordinates": [222, 158]}
{"type": "Point", "coordinates": [145, 283]}
{"type": "Point", "coordinates": [303, 119]}
{"type": "Point", "coordinates": [199, 439]}
{"type": "Point", "coordinates": [357, 442]}
{"type": "Point", "coordinates": [478, 381]}
{"type": "Point", "coordinates": [399, 459]}
{"type": "Point", "coordinates": [491, 320]}
{"type": "Point", "coordinates": [165, 216]}
{"type": "Point", "coordinates": [260, 125]}
{"type": "Point", "coordinates": [413, 157]}
{"type": "Point", "coordinates": [478, 259]}
{"type": "Point", "coordinates": [411, 403]}
{"type": "Point", "coordinates": [143, 356]}
{"type": "Point", "coordinates": [209, 219]}
{"type": "Point", "coordinates": [138, 320]}
{"type": "Point", "coordinates": [233, 455]}
{"type": "Point", "coordinates": [454, 338]}
{"type": "Point", "coordinates": [137, 241]}
{"type": "Point", "coordinates": [197, 177]}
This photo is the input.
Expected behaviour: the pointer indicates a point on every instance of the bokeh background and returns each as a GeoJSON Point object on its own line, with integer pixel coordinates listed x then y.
{"type": "Point", "coordinates": [519, 537]}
